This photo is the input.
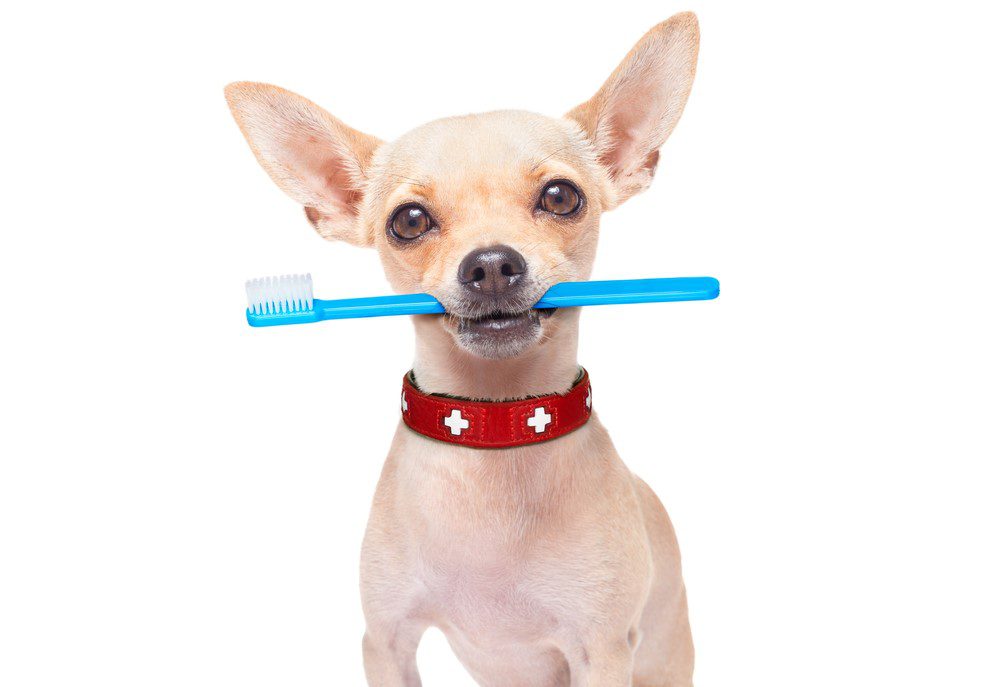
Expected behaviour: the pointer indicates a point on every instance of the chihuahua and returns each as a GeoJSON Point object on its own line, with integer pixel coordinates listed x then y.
{"type": "Point", "coordinates": [545, 563]}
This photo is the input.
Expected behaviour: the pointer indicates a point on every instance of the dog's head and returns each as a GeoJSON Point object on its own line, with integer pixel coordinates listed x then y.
{"type": "Point", "coordinates": [484, 212]}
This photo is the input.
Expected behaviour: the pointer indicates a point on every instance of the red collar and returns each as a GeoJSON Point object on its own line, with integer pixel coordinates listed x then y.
{"type": "Point", "coordinates": [496, 424]}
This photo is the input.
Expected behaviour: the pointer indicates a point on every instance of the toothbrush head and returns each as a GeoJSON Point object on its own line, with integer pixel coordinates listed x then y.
{"type": "Point", "coordinates": [280, 300]}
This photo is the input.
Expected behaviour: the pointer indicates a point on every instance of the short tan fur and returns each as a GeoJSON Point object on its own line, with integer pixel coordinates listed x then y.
{"type": "Point", "coordinates": [549, 564]}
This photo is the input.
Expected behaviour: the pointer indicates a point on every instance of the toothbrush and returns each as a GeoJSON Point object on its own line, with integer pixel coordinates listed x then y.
{"type": "Point", "coordinates": [289, 299]}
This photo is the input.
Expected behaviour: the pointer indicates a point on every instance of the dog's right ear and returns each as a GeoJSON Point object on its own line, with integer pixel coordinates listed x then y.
{"type": "Point", "coordinates": [312, 156]}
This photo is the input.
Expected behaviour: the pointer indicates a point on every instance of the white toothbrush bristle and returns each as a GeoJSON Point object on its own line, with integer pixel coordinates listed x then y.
{"type": "Point", "coordinates": [286, 294]}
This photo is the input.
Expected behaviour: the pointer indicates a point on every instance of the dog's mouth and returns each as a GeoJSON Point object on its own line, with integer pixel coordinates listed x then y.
{"type": "Point", "coordinates": [499, 322]}
{"type": "Point", "coordinates": [501, 334]}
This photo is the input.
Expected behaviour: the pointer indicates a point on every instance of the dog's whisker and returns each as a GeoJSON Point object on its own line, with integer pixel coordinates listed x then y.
{"type": "Point", "coordinates": [538, 164]}
{"type": "Point", "coordinates": [409, 180]}
{"type": "Point", "coordinates": [549, 272]}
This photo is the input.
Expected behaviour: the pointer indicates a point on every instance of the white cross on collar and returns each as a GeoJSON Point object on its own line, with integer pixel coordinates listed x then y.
{"type": "Point", "coordinates": [456, 423]}
{"type": "Point", "coordinates": [540, 420]}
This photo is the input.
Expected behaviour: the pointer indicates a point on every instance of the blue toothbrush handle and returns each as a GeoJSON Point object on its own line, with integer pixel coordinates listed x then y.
{"type": "Point", "coordinates": [621, 291]}
{"type": "Point", "coordinates": [408, 304]}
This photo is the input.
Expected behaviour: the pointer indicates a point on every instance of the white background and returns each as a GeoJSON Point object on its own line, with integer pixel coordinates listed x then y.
{"type": "Point", "coordinates": [182, 498]}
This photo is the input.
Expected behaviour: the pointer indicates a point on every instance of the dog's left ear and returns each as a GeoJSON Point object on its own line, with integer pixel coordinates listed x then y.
{"type": "Point", "coordinates": [635, 110]}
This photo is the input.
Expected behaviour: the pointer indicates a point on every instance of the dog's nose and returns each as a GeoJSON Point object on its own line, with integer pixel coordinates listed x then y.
{"type": "Point", "coordinates": [492, 271]}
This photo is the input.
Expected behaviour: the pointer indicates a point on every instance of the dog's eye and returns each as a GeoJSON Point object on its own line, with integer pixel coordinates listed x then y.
{"type": "Point", "coordinates": [560, 198]}
{"type": "Point", "coordinates": [409, 222]}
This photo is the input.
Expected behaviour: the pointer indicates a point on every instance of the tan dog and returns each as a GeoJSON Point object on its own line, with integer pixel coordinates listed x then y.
{"type": "Point", "coordinates": [548, 564]}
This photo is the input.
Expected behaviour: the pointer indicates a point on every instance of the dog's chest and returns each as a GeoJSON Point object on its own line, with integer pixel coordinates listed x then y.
{"type": "Point", "coordinates": [486, 594]}
{"type": "Point", "coordinates": [490, 534]}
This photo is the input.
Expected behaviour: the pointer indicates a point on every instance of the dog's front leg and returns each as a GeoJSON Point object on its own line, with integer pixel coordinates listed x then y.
{"type": "Point", "coordinates": [391, 658]}
{"type": "Point", "coordinates": [601, 664]}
